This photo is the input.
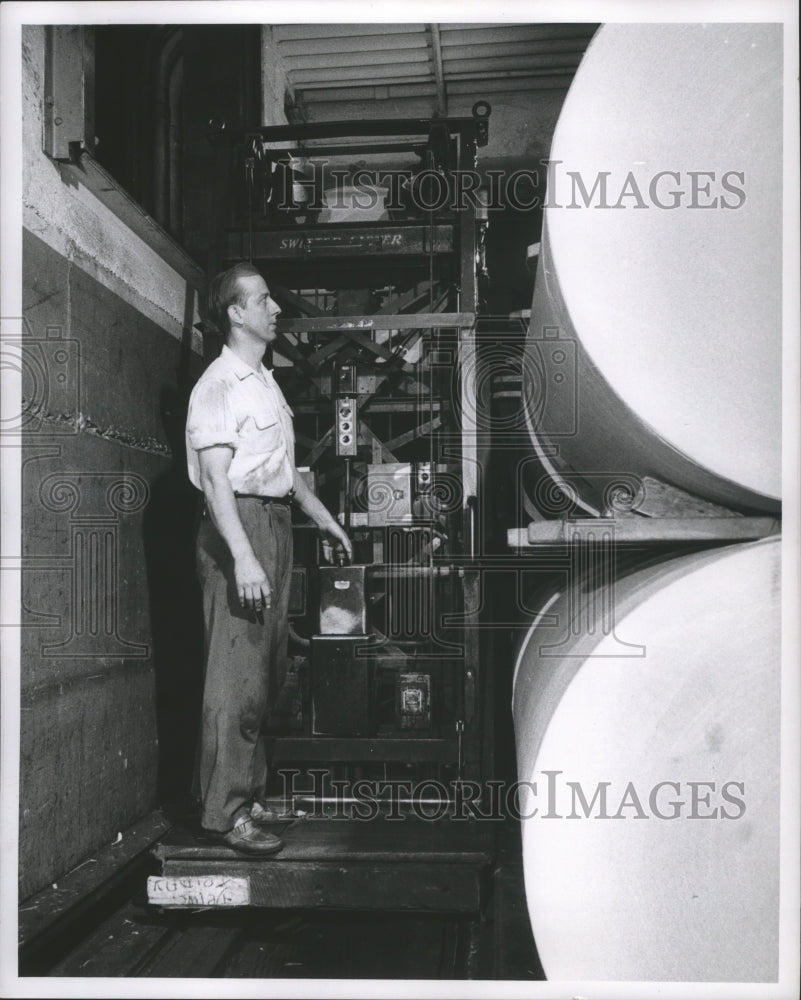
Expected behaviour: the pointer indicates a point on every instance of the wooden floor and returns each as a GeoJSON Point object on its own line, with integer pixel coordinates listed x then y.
{"type": "Point", "coordinates": [136, 942]}
{"type": "Point", "coordinates": [124, 936]}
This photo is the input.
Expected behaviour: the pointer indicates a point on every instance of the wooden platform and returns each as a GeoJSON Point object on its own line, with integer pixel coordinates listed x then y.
{"type": "Point", "coordinates": [331, 863]}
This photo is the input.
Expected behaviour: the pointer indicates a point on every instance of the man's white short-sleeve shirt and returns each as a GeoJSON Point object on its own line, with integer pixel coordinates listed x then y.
{"type": "Point", "coordinates": [244, 409]}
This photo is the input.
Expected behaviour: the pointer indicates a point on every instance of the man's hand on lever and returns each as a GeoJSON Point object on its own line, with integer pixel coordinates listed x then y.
{"type": "Point", "coordinates": [328, 525]}
{"type": "Point", "coordinates": [335, 533]}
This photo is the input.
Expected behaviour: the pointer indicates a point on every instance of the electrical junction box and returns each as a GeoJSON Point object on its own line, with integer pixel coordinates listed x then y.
{"type": "Point", "coordinates": [389, 494]}
{"type": "Point", "coordinates": [401, 493]}
{"type": "Point", "coordinates": [413, 701]}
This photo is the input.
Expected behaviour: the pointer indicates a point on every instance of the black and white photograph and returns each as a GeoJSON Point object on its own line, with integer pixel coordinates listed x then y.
{"type": "Point", "coordinates": [400, 563]}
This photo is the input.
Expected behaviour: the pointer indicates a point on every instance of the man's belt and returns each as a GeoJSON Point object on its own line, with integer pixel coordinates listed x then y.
{"type": "Point", "coordinates": [265, 501]}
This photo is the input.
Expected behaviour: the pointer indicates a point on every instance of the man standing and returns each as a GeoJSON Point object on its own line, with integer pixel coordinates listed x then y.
{"type": "Point", "coordinates": [240, 452]}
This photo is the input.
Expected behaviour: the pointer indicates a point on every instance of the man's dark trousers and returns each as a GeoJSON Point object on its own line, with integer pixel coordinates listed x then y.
{"type": "Point", "coordinates": [246, 662]}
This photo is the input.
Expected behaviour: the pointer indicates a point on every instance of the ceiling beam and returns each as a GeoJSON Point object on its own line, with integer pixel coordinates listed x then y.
{"type": "Point", "coordinates": [553, 80]}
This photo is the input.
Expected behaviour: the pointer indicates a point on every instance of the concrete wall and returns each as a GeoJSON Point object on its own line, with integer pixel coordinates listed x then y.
{"type": "Point", "coordinates": [111, 635]}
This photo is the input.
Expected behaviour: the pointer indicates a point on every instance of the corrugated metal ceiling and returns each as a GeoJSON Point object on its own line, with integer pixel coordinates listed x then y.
{"type": "Point", "coordinates": [360, 62]}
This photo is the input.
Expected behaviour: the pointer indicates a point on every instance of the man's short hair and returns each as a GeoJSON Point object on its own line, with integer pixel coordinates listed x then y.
{"type": "Point", "coordinates": [225, 291]}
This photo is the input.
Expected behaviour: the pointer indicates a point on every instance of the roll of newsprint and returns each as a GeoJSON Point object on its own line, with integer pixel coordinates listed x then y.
{"type": "Point", "coordinates": [646, 720]}
{"type": "Point", "coordinates": [654, 345]}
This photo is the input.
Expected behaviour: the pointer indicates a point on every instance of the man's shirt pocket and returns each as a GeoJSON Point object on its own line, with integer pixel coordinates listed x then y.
{"type": "Point", "coordinates": [261, 435]}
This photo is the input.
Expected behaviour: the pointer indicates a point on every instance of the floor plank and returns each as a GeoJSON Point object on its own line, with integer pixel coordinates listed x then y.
{"type": "Point", "coordinates": [138, 943]}
{"type": "Point", "coordinates": [118, 946]}
{"type": "Point", "coordinates": [359, 946]}
{"type": "Point", "coordinates": [195, 950]}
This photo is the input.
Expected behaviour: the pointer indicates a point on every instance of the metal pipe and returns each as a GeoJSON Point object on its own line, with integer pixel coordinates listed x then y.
{"type": "Point", "coordinates": [472, 525]}
{"type": "Point", "coordinates": [340, 129]}
{"type": "Point", "coordinates": [439, 75]}
{"type": "Point", "coordinates": [347, 497]}
{"type": "Point", "coordinates": [298, 639]}
{"type": "Point", "coordinates": [385, 571]}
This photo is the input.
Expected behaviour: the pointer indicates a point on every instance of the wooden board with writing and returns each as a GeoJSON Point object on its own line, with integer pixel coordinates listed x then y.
{"type": "Point", "coordinates": [199, 890]}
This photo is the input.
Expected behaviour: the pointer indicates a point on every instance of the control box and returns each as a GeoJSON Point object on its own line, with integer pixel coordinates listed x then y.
{"type": "Point", "coordinates": [346, 428]}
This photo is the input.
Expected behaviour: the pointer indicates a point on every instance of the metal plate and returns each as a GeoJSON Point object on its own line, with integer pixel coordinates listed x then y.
{"type": "Point", "coordinates": [199, 890]}
{"type": "Point", "coordinates": [342, 241]}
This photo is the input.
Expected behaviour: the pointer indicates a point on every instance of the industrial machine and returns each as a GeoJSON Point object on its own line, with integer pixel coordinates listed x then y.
{"type": "Point", "coordinates": [374, 250]}
{"type": "Point", "coordinates": [378, 275]}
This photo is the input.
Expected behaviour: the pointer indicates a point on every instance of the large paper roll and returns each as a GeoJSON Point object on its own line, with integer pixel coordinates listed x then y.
{"type": "Point", "coordinates": [660, 270]}
{"type": "Point", "coordinates": [651, 841]}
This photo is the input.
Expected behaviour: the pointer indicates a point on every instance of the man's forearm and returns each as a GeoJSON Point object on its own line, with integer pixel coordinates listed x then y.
{"type": "Point", "coordinates": [311, 505]}
{"type": "Point", "coordinates": [222, 507]}
{"type": "Point", "coordinates": [321, 516]}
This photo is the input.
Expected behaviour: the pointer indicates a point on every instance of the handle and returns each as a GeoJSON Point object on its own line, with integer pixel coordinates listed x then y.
{"type": "Point", "coordinates": [471, 503]}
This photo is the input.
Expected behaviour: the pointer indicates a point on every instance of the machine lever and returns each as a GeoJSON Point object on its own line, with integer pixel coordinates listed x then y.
{"type": "Point", "coordinates": [472, 509]}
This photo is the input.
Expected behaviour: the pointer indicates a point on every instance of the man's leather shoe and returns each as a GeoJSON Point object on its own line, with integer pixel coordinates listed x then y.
{"type": "Point", "coordinates": [247, 838]}
{"type": "Point", "coordinates": [265, 815]}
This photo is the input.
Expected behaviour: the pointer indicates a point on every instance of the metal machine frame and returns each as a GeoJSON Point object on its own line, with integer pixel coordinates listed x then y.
{"type": "Point", "coordinates": [433, 400]}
